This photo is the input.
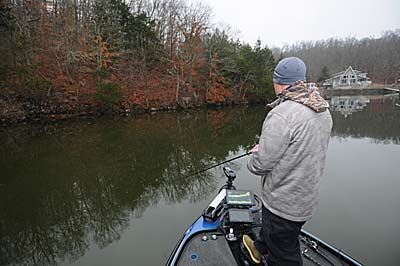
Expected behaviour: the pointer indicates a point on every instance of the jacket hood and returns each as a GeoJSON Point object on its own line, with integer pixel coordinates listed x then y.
{"type": "Point", "coordinates": [305, 94]}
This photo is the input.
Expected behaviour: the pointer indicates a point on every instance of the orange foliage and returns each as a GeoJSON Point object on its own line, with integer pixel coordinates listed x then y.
{"type": "Point", "coordinates": [76, 63]}
{"type": "Point", "coordinates": [104, 55]}
{"type": "Point", "coordinates": [188, 61]}
{"type": "Point", "coordinates": [152, 89]}
{"type": "Point", "coordinates": [217, 92]}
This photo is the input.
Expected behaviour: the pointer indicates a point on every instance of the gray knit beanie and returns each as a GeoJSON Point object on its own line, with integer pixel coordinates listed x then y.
{"type": "Point", "coordinates": [289, 70]}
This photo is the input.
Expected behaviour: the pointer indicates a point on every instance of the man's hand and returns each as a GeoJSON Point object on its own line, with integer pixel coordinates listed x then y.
{"type": "Point", "coordinates": [254, 149]}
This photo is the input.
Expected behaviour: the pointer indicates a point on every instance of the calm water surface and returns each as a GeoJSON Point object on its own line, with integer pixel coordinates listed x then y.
{"type": "Point", "coordinates": [114, 192]}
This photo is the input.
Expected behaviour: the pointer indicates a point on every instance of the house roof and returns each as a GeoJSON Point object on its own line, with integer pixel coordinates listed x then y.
{"type": "Point", "coordinates": [341, 73]}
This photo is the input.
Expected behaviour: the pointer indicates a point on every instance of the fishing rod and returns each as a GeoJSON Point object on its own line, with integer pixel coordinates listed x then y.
{"type": "Point", "coordinates": [257, 139]}
{"type": "Point", "coordinates": [220, 163]}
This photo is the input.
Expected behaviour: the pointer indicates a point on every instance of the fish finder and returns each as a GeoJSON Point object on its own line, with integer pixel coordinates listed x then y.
{"type": "Point", "coordinates": [239, 199]}
{"type": "Point", "coordinates": [239, 202]}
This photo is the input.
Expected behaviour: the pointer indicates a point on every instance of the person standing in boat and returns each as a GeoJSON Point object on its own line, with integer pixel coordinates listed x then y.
{"type": "Point", "coordinates": [290, 157]}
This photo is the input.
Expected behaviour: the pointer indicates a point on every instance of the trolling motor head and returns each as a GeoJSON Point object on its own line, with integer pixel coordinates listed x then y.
{"type": "Point", "coordinates": [231, 175]}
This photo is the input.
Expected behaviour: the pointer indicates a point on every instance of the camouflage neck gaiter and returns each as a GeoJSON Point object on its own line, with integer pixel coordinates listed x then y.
{"type": "Point", "coordinates": [305, 94]}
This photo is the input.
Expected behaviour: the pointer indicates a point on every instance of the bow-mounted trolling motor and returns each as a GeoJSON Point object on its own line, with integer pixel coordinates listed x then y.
{"type": "Point", "coordinates": [234, 203]}
{"type": "Point", "coordinates": [214, 208]}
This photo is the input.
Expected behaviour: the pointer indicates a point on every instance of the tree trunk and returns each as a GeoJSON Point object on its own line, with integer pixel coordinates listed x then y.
{"type": "Point", "coordinates": [177, 87]}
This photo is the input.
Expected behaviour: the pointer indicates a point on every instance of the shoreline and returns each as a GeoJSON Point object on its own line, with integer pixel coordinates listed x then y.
{"type": "Point", "coordinates": [354, 91]}
{"type": "Point", "coordinates": [14, 113]}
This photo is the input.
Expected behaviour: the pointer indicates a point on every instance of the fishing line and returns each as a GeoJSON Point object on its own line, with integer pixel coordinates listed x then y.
{"type": "Point", "coordinates": [213, 166]}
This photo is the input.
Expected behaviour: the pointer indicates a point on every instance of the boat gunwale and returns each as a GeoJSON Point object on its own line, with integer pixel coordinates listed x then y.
{"type": "Point", "coordinates": [333, 250]}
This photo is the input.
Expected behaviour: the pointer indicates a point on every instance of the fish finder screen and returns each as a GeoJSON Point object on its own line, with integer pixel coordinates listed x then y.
{"type": "Point", "coordinates": [239, 198]}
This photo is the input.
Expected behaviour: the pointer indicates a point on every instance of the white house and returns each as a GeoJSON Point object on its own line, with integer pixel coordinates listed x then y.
{"type": "Point", "coordinates": [350, 78]}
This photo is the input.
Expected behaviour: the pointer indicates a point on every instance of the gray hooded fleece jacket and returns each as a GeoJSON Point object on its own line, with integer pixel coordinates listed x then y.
{"type": "Point", "coordinates": [291, 157]}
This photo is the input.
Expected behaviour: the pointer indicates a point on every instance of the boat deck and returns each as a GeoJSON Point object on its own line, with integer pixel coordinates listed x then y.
{"type": "Point", "coordinates": [218, 252]}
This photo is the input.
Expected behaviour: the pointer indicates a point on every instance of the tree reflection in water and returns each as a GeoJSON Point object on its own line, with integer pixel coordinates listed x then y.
{"type": "Point", "coordinates": [66, 186]}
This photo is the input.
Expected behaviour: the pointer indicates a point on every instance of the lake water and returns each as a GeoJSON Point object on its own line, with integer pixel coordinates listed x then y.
{"type": "Point", "coordinates": [114, 192]}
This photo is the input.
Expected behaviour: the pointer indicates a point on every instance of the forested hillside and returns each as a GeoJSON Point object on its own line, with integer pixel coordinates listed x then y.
{"type": "Point", "coordinates": [380, 57]}
{"type": "Point", "coordinates": [69, 55]}
{"type": "Point", "coordinates": [89, 56]}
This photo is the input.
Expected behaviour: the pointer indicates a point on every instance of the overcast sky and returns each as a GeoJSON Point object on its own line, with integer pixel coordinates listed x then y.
{"type": "Point", "coordinates": [279, 22]}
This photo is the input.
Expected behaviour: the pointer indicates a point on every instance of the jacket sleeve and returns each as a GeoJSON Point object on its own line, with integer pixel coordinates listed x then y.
{"type": "Point", "coordinates": [274, 140]}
